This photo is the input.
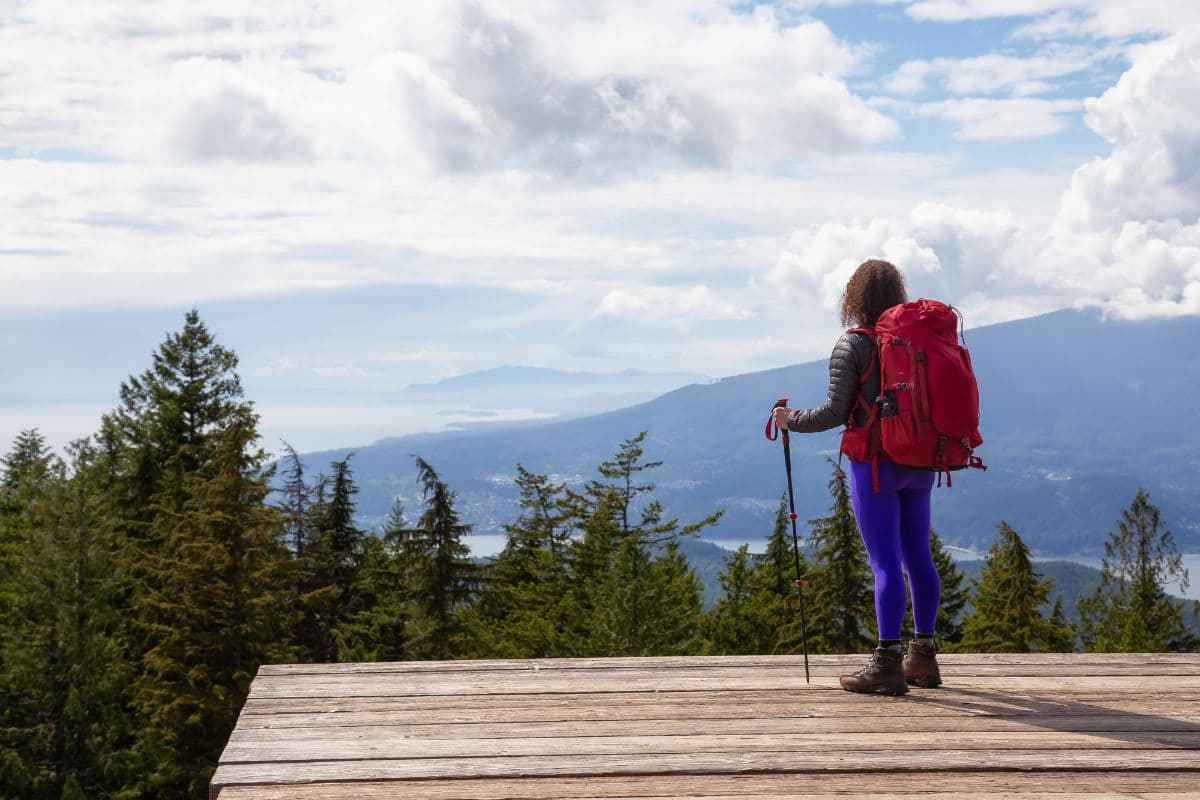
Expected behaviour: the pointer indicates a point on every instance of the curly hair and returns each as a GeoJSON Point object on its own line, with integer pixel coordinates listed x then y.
{"type": "Point", "coordinates": [874, 287]}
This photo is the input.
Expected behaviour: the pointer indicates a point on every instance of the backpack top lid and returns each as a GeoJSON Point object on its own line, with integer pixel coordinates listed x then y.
{"type": "Point", "coordinates": [932, 316]}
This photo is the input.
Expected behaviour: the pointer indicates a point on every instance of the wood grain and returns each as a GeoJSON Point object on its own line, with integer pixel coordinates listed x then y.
{"type": "Point", "coordinates": [1063, 726]}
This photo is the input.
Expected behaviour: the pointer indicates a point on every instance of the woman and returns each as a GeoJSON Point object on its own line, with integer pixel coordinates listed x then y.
{"type": "Point", "coordinates": [893, 521]}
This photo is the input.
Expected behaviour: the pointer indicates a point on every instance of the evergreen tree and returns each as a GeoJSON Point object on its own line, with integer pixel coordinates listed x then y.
{"type": "Point", "coordinates": [27, 470]}
{"type": "Point", "coordinates": [774, 579]}
{"type": "Point", "coordinates": [1009, 596]}
{"type": "Point", "coordinates": [1062, 635]}
{"type": "Point", "coordinates": [218, 606]}
{"type": "Point", "coordinates": [206, 579]}
{"type": "Point", "coordinates": [297, 503]}
{"type": "Point", "coordinates": [27, 464]}
{"type": "Point", "coordinates": [621, 523]}
{"type": "Point", "coordinates": [527, 609]}
{"type": "Point", "coordinates": [646, 606]}
{"type": "Point", "coordinates": [1130, 610]}
{"type": "Point", "coordinates": [168, 413]}
{"type": "Point", "coordinates": [619, 494]}
{"type": "Point", "coordinates": [64, 728]}
{"type": "Point", "coordinates": [955, 593]}
{"type": "Point", "coordinates": [747, 617]}
{"type": "Point", "coordinates": [330, 568]}
{"type": "Point", "coordinates": [839, 585]}
{"type": "Point", "coordinates": [378, 630]}
{"type": "Point", "coordinates": [445, 578]}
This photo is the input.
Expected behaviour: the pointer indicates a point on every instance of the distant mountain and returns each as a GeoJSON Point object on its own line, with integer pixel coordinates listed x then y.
{"type": "Point", "coordinates": [544, 390]}
{"type": "Point", "coordinates": [1078, 412]}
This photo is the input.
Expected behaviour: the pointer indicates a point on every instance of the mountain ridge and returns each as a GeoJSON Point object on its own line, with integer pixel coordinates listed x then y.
{"type": "Point", "coordinates": [1078, 411]}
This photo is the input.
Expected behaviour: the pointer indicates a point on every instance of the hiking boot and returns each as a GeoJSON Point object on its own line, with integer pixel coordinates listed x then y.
{"type": "Point", "coordinates": [884, 674]}
{"type": "Point", "coordinates": [920, 665]}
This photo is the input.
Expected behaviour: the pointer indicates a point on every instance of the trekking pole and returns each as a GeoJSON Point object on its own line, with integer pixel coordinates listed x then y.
{"type": "Point", "coordinates": [774, 432]}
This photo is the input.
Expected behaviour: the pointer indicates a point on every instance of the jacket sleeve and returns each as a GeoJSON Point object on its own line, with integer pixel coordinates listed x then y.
{"type": "Point", "coordinates": [843, 391]}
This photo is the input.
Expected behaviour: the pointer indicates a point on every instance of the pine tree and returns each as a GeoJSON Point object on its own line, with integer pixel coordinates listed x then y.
{"type": "Point", "coordinates": [296, 506]}
{"type": "Point", "coordinates": [771, 613]}
{"type": "Point", "coordinates": [839, 586]}
{"type": "Point", "coordinates": [445, 579]}
{"type": "Point", "coordinates": [621, 493]}
{"type": "Point", "coordinates": [955, 593]}
{"type": "Point", "coordinates": [621, 523]}
{"type": "Point", "coordinates": [168, 413]}
{"type": "Point", "coordinates": [1008, 598]}
{"type": "Point", "coordinates": [527, 609]}
{"type": "Point", "coordinates": [645, 606]}
{"type": "Point", "coordinates": [64, 721]}
{"type": "Point", "coordinates": [1130, 610]}
{"type": "Point", "coordinates": [378, 629]}
{"type": "Point", "coordinates": [27, 464]}
{"type": "Point", "coordinates": [207, 584]}
{"type": "Point", "coordinates": [218, 605]}
{"type": "Point", "coordinates": [746, 619]}
{"type": "Point", "coordinates": [1062, 635]}
{"type": "Point", "coordinates": [330, 568]}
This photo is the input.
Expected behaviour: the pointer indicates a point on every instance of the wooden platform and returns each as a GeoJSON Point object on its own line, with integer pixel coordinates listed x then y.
{"type": "Point", "coordinates": [1061, 726]}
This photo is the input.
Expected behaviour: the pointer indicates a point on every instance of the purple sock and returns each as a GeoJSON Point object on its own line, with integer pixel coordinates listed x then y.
{"type": "Point", "coordinates": [895, 530]}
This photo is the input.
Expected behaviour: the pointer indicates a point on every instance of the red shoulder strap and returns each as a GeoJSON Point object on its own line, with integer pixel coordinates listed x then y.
{"type": "Point", "coordinates": [870, 333]}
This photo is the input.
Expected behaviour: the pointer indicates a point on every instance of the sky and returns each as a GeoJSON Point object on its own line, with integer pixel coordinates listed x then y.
{"type": "Point", "coordinates": [362, 196]}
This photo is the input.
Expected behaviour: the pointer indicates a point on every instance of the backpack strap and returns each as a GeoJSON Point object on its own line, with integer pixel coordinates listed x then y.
{"type": "Point", "coordinates": [872, 411]}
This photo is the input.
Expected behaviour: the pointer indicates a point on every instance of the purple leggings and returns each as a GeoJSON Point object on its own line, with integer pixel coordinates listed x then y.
{"type": "Point", "coordinates": [895, 529]}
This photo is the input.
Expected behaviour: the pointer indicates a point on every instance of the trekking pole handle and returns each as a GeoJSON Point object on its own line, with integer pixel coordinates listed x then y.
{"type": "Point", "coordinates": [773, 431]}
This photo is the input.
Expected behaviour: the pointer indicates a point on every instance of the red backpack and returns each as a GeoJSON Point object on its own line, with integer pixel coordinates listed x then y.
{"type": "Point", "coordinates": [927, 414]}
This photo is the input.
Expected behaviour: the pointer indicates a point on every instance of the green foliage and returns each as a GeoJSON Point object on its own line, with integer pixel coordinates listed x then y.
{"type": "Point", "coordinates": [1130, 611]}
{"type": "Point", "coordinates": [216, 606]}
{"type": "Point", "coordinates": [646, 606]}
{"type": "Point", "coordinates": [64, 729]}
{"type": "Point", "coordinates": [444, 578]}
{"type": "Point", "coordinates": [1007, 615]}
{"type": "Point", "coordinates": [330, 567]}
{"type": "Point", "coordinates": [626, 600]}
{"type": "Point", "coordinates": [378, 629]}
{"type": "Point", "coordinates": [527, 609]}
{"type": "Point", "coordinates": [955, 593]}
{"type": "Point", "coordinates": [841, 601]}
{"type": "Point", "coordinates": [746, 620]}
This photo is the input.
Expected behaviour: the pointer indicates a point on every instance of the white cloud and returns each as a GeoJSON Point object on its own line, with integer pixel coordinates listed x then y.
{"type": "Point", "coordinates": [1100, 18]}
{"type": "Point", "coordinates": [994, 73]}
{"type": "Point", "coordinates": [955, 254]}
{"type": "Point", "coordinates": [1128, 227]}
{"type": "Point", "coordinates": [559, 89]}
{"type": "Point", "coordinates": [962, 10]}
{"type": "Point", "coordinates": [1009, 119]}
{"type": "Point", "coordinates": [1126, 235]}
{"type": "Point", "coordinates": [676, 305]}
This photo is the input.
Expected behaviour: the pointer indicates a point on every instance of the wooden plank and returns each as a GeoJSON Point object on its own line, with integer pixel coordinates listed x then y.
{"type": "Point", "coordinates": [948, 759]}
{"type": "Point", "coordinates": [1143, 660]}
{"type": "Point", "coordinates": [320, 727]}
{"type": "Point", "coordinates": [361, 744]}
{"type": "Point", "coordinates": [710, 704]}
{"type": "Point", "coordinates": [868, 791]}
{"type": "Point", "coordinates": [711, 727]}
{"type": "Point", "coordinates": [929, 786]}
{"type": "Point", "coordinates": [723, 672]}
{"type": "Point", "coordinates": [632, 681]}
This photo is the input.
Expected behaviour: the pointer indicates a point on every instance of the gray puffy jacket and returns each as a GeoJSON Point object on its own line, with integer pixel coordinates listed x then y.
{"type": "Point", "coordinates": [852, 356]}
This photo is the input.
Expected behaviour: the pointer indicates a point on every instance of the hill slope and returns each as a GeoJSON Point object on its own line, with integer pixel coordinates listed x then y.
{"type": "Point", "coordinates": [1077, 413]}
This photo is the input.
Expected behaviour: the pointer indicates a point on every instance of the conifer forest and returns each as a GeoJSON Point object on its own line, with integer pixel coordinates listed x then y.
{"type": "Point", "coordinates": [148, 570]}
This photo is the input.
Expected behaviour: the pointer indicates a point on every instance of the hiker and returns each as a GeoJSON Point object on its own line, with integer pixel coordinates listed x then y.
{"type": "Point", "coordinates": [891, 501]}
